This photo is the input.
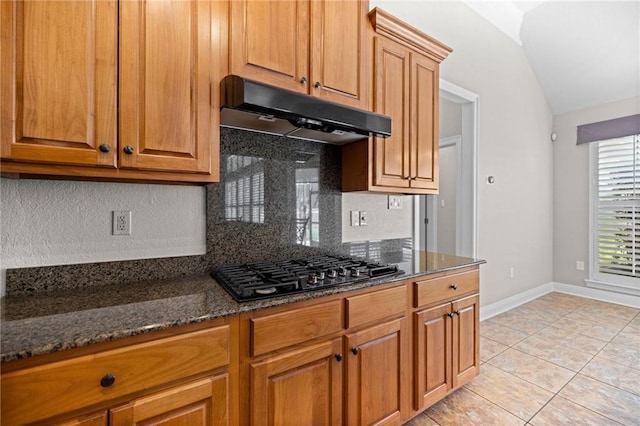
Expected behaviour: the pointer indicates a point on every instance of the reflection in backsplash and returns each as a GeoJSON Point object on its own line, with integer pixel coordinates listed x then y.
{"type": "Point", "coordinates": [281, 198]}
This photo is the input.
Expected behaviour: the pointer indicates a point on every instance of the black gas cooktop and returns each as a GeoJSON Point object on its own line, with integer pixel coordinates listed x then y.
{"type": "Point", "coordinates": [263, 280]}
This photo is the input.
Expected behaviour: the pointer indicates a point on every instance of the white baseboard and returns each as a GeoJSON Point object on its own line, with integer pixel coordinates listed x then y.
{"type": "Point", "coordinates": [504, 305]}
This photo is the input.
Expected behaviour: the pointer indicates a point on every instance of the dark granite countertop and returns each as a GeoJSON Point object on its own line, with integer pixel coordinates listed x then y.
{"type": "Point", "coordinates": [53, 321]}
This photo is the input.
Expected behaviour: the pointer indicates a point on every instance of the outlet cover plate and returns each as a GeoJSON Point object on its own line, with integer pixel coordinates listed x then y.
{"type": "Point", "coordinates": [395, 202]}
{"type": "Point", "coordinates": [355, 218]}
{"type": "Point", "coordinates": [121, 222]}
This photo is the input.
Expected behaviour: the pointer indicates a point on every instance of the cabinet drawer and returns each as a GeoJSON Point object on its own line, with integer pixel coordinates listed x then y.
{"type": "Point", "coordinates": [376, 305]}
{"type": "Point", "coordinates": [52, 389]}
{"type": "Point", "coordinates": [288, 328]}
{"type": "Point", "coordinates": [445, 288]}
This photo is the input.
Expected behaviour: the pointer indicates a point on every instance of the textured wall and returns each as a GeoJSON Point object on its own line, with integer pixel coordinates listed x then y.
{"type": "Point", "coordinates": [382, 222]}
{"type": "Point", "coordinates": [60, 222]}
{"type": "Point", "coordinates": [571, 188]}
{"type": "Point", "coordinates": [515, 214]}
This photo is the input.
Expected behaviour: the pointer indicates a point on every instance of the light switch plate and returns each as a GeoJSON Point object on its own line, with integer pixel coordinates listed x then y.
{"type": "Point", "coordinates": [355, 218]}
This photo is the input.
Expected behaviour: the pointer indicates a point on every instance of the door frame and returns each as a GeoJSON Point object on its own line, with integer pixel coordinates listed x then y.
{"type": "Point", "coordinates": [468, 196]}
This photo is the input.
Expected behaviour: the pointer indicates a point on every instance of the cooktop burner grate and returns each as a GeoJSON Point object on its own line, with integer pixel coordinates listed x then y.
{"type": "Point", "coordinates": [262, 280]}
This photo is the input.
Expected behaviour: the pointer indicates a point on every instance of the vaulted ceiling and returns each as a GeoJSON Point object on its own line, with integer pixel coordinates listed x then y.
{"type": "Point", "coordinates": [583, 53]}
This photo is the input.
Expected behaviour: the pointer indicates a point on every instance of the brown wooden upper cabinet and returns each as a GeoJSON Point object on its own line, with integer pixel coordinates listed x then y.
{"type": "Point", "coordinates": [316, 47]}
{"type": "Point", "coordinates": [113, 90]}
{"type": "Point", "coordinates": [406, 80]}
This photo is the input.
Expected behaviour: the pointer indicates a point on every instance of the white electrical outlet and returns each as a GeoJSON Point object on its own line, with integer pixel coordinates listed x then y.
{"type": "Point", "coordinates": [395, 202]}
{"type": "Point", "coordinates": [363, 218]}
{"type": "Point", "coordinates": [121, 222]}
{"type": "Point", "coordinates": [355, 218]}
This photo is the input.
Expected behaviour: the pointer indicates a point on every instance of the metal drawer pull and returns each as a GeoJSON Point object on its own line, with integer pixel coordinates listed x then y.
{"type": "Point", "coordinates": [107, 380]}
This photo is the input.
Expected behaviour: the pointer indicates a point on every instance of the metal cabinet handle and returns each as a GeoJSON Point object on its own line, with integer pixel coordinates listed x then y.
{"type": "Point", "coordinates": [450, 314]}
{"type": "Point", "coordinates": [104, 147]}
{"type": "Point", "coordinates": [128, 150]}
{"type": "Point", "coordinates": [303, 80]}
{"type": "Point", "coordinates": [355, 350]}
{"type": "Point", "coordinates": [457, 313]}
{"type": "Point", "coordinates": [317, 85]}
{"type": "Point", "coordinates": [454, 286]}
{"type": "Point", "coordinates": [339, 357]}
{"type": "Point", "coordinates": [107, 380]}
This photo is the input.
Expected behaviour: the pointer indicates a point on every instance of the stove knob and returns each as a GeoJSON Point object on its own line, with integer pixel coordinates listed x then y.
{"type": "Point", "coordinates": [312, 279]}
{"type": "Point", "coordinates": [355, 272]}
{"type": "Point", "coordinates": [332, 273]}
{"type": "Point", "coordinates": [321, 275]}
{"type": "Point", "coordinates": [342, 271]}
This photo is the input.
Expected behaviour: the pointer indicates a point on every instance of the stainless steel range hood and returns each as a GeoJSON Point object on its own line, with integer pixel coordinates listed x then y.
{"type": "Point", "coordinates": [258, 107]}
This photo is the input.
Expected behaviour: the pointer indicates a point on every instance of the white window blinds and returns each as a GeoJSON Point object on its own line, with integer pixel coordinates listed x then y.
{"type": "Point", "coordinates": [617, 205]}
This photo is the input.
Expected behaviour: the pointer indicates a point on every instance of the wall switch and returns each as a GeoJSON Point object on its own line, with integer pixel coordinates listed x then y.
{"type": "Point", "coordinates": [512, 272]}
{"type": "Point", "coordinates": [442, 203]}
{"type": "Point", "coordinates": [363, 218]}
{"type": "Point", "coordinates": [121, 222]}
{"type": "Point", "coordinates": [355, 218]}
{"type": "Point", "coordinates": [395, 202]}
{"type": "Point", "coordinates": [579, 265]}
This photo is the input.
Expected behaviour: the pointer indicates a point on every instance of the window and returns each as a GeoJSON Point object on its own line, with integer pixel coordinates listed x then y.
{"type": "Point", "coordinates": [615, 214]}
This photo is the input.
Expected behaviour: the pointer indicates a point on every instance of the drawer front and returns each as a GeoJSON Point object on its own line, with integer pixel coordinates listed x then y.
{"type": "Point", "coordinates": [446, 288]}
{"type": "Point", "coordinates": [376, 305]}
{"type": "Point", "coordinates": [56, 388]}
{"type": "Point", "coordinates": [288, 328]}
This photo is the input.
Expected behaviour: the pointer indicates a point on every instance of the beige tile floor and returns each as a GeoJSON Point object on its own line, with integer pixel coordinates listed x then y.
{"type": "Point", "coordinates": [557, 360]}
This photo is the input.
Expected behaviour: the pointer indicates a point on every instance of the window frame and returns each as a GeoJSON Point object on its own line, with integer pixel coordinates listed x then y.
{"type": "Point", "coordinates": [597, 279]}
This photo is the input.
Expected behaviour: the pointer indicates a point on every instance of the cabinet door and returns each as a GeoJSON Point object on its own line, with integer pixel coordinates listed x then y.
{"type": "Point", "coordinates": [339, 52]}
{"type": "Point", "coordinates": [166, 76]}
{"type": "Point", "coordinates": [270, 42]}
{"type": "Point", "coordinates": [466, 340]}
{"type": "Point", "coordinates": [204, 402]}
{"type": "Point", "coordinates": [391, 155]}
{"type": "Point", "coordinates": [377, 374]}
{"type": "Point", "coordinates": [424, 123]}
{"type": "Point", "coordinates": [433, 355]}
{"type": "Point", "coordinates": [300, 387]}
{"type": "Point", "coordinates": [58, 81]}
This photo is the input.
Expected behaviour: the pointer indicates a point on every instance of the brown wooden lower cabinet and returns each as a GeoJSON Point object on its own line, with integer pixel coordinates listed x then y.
{"type": "Point", "coordinates": [376, 374]}
{"type": "Point", "coordinates": [201, 403]}
{"type": "Point", "coordinates": [299, 387]}
{"type": "Point", "coordinates": [345, 359]}
{"type": "Point", "coordinates": [446, 349]}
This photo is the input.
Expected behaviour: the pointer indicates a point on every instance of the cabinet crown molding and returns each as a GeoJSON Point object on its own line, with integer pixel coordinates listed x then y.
{"type": "Point", "coordinates": [388, 25]}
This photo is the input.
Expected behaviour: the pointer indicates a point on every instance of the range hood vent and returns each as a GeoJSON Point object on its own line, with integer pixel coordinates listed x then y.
{"type": "Point", "coordinates": [258, 107]}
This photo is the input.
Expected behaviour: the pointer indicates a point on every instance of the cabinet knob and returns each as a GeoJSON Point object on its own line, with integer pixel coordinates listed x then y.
{"type": "Point", "coordinates": [339, 357]}
{"type": "Point", "coordinates": [457, 313]}
{"type": "Point", "coordinates": [450, 314]}
{"type": "Point", "coordinates": [454, 286]}
{"type": "Point", "coordinates": [355, 350]}
{"type": "Point", "coordinates": [104, 148]}
{"type": "Point", "coordinates": [303, 80]}
{"type": "Point", "coordinates": [107, 380]}
{"type": "Point", "coordinates": [128, 149]}
{"type": "Point", "coordinates": [317, 85]}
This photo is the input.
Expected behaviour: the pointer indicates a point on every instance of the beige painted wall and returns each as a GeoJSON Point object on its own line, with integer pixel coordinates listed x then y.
{"type": "Point", "coordinates": [515, 214]}
{"type": "Point", "coordinates": [571, 188]}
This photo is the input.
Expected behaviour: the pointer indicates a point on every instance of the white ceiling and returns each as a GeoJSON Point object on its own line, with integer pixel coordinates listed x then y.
{"type": "Point", "coordinates": [583, 53]}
